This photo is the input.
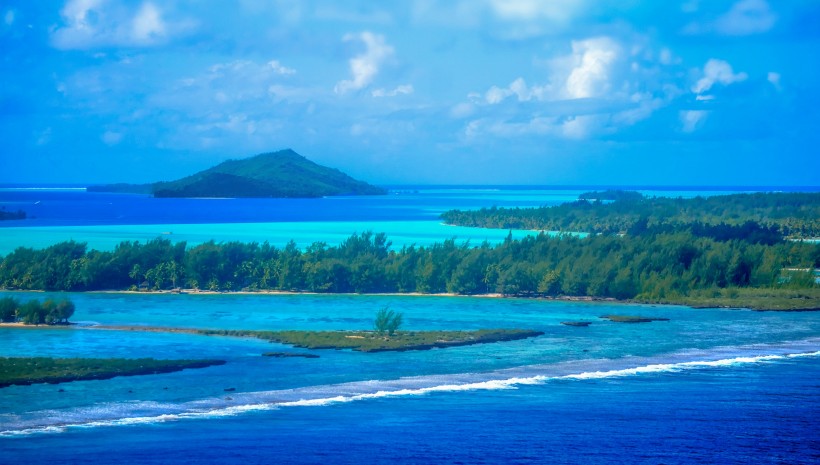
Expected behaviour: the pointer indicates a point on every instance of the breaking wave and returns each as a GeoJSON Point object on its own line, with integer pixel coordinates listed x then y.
{"type": "Point", "coordinates": [149, 412]}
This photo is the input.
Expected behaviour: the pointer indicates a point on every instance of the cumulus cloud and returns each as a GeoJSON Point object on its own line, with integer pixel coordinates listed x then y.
{"type": "Point", "coordinates": [586, 73]}
{"type": "Point", "coordinates": [365, 67]}
{"type": "Point", "coordinates": [403, 89]}
{"type": "Point", "coordinates": [716, 72]}
{"type": "Point", "coordinates": [591, 75]}
{"type": "Point", "coordinates": [520, 89]}
{"type": "Point", "coordinates": [90, 24]}
{"type": "Point", "coordinates": [598, 89]}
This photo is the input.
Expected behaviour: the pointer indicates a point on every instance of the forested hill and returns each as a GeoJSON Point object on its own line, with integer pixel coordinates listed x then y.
{"type": "Point", "coordinates": [278, 174]}
{"type": "Point", "coordinates": [794, 215]}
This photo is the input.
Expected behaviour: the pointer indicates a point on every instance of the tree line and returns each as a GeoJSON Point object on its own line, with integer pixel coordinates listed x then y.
{"type": "Point", "coordinates": [33, 312]}
{"type": "Point", "coordinates": [795, 215]}
{"type": "Point", "coordinates": [650, 266]}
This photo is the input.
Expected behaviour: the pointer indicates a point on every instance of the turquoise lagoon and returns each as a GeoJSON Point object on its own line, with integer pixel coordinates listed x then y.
{"type": "Point", "coordinates": [692, 339]}
{"type": "Point", "coordinates": [707, 386]}
{"type": "Point", "coordinates": [407, 215]}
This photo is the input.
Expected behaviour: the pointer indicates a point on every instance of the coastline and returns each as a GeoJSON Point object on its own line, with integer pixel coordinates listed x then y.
{"type": "Point", "coordinates": [693, 303]}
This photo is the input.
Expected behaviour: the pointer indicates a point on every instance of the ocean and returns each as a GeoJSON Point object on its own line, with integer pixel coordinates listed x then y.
{"type": "Point", "coordinates": [707, 386]}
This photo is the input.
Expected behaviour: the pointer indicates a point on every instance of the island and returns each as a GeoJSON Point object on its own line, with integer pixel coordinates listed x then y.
{"type": "Point", "coordinates": [360, 341]}
{"type": "Point", "coordinates": [34, 370]}
{"type": "Point", "coordinates": [9, 215]}
{"type": "Point", "coordinates": [702, 254]}
{"type": "Point", "coordinates": [282, 174]}
{"type": "Point", "coordinates": [577, 324]}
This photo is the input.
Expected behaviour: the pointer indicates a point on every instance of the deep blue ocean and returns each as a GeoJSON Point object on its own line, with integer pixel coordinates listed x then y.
{"type": "Point", "coordinates": [716, 386]}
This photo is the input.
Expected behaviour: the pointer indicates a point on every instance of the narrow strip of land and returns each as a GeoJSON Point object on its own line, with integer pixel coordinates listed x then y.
{"type": "Point", "coordinates": [34, 370]}
{"type": "Point", "coordinates": [360, 341]}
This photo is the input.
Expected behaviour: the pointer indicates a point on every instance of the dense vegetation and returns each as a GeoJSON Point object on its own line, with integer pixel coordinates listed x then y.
{"type": "Point", "coordinates": [370, 341]}
{"type": "Point", "coordinates": [31, 370]}
{"type": "Point", "coordinates": [663, 267]}
{"type": "Point", "coordinates": [50, 312]}
{"type": "Point", "coordinates": [769, 215]}
{"type": "Point", "coordinates": [278, 174]}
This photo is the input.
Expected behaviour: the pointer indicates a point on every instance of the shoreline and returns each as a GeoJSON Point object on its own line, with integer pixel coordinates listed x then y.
{"type": "Point", "coordinates": [720, 303]}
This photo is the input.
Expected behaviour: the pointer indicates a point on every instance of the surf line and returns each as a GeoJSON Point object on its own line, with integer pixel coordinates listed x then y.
{"type": "Point", "coordinates": [486, 385]}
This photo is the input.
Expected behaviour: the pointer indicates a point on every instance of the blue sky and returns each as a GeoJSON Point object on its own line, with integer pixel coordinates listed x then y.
{"type": "Point", "coordinates": [673, 92]}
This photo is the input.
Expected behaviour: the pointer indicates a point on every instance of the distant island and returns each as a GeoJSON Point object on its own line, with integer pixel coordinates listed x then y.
{"type": "Point", "coordinates": [757, 218]}
{"type": "Point", "coordinates": [15, 215]}
{"type": "Point", "coordinates": [282, 174]}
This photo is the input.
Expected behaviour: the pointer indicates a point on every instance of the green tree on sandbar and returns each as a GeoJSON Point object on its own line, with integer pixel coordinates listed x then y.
{"type": "Point", "coordinates": [388, 320]}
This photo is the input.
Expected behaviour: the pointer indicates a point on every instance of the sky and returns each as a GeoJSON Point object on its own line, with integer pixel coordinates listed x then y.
{"type": "Point", "coordinates": [528, 92]}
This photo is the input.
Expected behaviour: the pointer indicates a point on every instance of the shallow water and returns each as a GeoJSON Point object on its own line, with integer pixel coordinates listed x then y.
{"type": "Point", "coordinates": [708, 386]}
{"type": "Point", "coordinates": [691, 340]}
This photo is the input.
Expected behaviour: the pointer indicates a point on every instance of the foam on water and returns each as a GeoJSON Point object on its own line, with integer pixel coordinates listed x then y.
{"type": "Point", "coordinates": [149, 412]}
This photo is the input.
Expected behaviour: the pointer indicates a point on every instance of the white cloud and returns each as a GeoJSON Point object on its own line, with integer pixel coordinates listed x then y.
{"type": "Point", "coordinates": [580, 127]}
{"type": "Point", "coordinates": [569, 127]}
{"type": "Point", "coordinates": [148, 24]}
{"type": "Point", "coordinates": [716, 72]}
{"type": "Point", "coordinates": [8, 18]}
{"type": "Point", "coordinates": [462, 110]}
{"type": "Point", "coordinates": [587, 72]}
{"type": "Point", "coordinates": [90, 24]}
{"type": "Point", "coordinates": [520, 89]}
{"type": "Point", "coordinates": [44, 136]}
{"type": "Point", "coordinates": [593, 62]}
{"type": "Point", "coordinates": [528, 10]}
{"type": "Point", "coordinates": [278, 68]}
{"type": "Point", "coordinates": [691, 120]}
{"type": "Point", "coordinates": [774, 79]}
{"type": "Point", "coordinates": [746, 17]}
{"type": "Point", "coordinates": [111, 137]}
{"type": "Point", "coordinates": [403, 89]}
{"type": "Point", "coordinates": [365, 67]}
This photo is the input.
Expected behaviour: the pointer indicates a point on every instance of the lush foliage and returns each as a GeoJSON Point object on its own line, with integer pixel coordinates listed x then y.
{"type": "Point", "coordinates": [649, 267]}
{"type": "Point", "coordinates": [782, 214]}
{"type": "Point", "coordinates": [31, 370]}
{"type": "Point", "coordinates": [388, 320]}
{"type": "Point", "coordinates": [369, 341]}
{"type": "Point", "coordinates": [50, 312]}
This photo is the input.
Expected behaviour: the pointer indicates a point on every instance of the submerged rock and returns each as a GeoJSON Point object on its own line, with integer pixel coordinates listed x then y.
{"type": "Point", "coordinates": [289, 355]}
{"type": "Point", "coordinates": [579, 324]}
{"type": "Point", "coordinates": [632, 319]}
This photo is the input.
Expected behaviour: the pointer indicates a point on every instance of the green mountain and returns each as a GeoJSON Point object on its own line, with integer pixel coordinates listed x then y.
{"type": "Point", "coordinates": [279, 174]}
